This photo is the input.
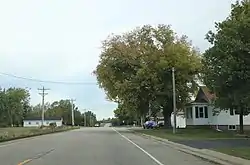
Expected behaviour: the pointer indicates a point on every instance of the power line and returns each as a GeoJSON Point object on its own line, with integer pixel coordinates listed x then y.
{"type": "Point", "coordinates": [47, 81]}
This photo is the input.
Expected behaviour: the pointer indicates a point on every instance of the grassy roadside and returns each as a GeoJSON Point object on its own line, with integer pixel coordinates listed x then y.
{"type": "Point", "coordinates": [7, 134]}
{"type": "Point", "coordinates": [201, 134]}
{"type": "Point", "coordinates": [187, 134]}
{"type": "Point", "coordinates": [243, 152]}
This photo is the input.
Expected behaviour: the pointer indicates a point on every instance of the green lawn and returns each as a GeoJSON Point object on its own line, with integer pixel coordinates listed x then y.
{"type": "Point", "coordinates": [17, 131]}
{"type": "Point", "coordinates": [238, 152]}
{"type": "Point", "coordinates": [201, 134]}
{"type": "Point", "coordinates": [21, 132]}
{"type": "Point", "coordinates": [187, 134]}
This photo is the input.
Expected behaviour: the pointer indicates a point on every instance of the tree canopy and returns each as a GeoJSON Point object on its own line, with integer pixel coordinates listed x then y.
{"type": "Point", "coordinates": [14, 106]}
{"type": "Point", "coordinates": [226, 63]}
{"type": "Point", "coordinates": [135, 68]}
{"type": "Point", "coordinates": [123, 114]}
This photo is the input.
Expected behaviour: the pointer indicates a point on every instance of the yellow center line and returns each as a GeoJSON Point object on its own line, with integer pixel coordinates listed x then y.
{"type": "Point", "coordinates": [24, 162]}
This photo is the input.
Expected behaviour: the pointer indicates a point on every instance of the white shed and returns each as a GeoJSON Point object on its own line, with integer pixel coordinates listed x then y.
{"type": "Point", "coordinates": [180, 119]}
{"type": "Point", "coordinates": [37, 121]}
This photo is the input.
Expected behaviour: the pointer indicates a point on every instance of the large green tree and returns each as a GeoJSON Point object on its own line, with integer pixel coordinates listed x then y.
{"type": "Point", "coordinates": [227, 64]}
{"type": "Point", "coordinates": [14, 106]}
{"type": "Point", "coordinates": [135, 68]}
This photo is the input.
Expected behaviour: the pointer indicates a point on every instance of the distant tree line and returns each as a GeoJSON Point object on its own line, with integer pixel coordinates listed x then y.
{"type": "Point", "coordinates": [115, 121]}
{"type": "Point", "coordinates": [15, 106]}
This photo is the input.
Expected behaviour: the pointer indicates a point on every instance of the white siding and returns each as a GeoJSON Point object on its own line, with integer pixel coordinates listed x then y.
{"type": "Point", "coordinates": [189, 119]}
{"type": "Point", "coordinates": [37, 123]}
{"type": "Point", "coordinates": [211, 119]}
{"type": "Point", "coordinates": [224, 118]}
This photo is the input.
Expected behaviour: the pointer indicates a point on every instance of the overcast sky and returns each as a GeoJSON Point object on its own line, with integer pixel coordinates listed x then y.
{"type": "Point", "coordinates": [59, 40]}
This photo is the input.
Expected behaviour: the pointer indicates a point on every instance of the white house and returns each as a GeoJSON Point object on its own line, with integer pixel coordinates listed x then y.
{"type": "Point", "coordinates": [37, 121]}
{"type": "Point", "coordinates": [200, 112]}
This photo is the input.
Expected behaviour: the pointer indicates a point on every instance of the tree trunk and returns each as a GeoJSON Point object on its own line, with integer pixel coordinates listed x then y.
{"type": "Point", "coordinates": [142, 120]}
{"type": "Point", "coordinates": [10, 119]}
{"type": "Point", "coordinates": [241, 121]}
{"type": "Point", "coordinates": [143, 109]}
{"type": "Point", "coordinates": [167, 117]}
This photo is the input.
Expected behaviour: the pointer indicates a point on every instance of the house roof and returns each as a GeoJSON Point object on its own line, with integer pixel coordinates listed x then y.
{"type": "Point", "coordinates": [204, 95]}
{"type": "Point", "coordinates": [40, 118]}
{"type": "Point", "coordinates": [210, 96]}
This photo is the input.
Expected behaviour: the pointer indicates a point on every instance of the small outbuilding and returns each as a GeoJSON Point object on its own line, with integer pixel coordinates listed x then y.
{"type": "Point", "coordinates": [37, 121]}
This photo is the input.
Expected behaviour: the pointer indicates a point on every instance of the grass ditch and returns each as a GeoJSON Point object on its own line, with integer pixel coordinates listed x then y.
{"type": "Point", "coordinates": [14, 133]}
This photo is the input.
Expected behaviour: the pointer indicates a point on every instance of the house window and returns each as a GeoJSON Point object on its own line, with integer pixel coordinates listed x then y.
{"type": "Point", "coordinates": [206, 112]}
{"type": "Point", "coordinates": [231, 112]}
{"type": "Point", "coordinates": [196, 112]}
{"type": "Point", "coordinates": [29, 123]}
{"type": "Point", "coordinates": [47, 122]}
{"type": "Point", "coordinates": [37, 123]}
{"type": "Point", "coordinates": [187, 113]}
{"type": "Point", "coordinates": [231, 127]}
{"type": "Point", "coordinates": [191, 112]}
{"type": "Point", "coordinates": [201, 112]}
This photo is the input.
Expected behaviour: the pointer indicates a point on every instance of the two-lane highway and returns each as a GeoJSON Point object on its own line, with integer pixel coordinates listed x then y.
{"type": "Point", "coordinates": [93, 146]}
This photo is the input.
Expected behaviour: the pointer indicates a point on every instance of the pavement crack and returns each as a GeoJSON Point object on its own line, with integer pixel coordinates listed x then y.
{"type": "Point", "coordinates": [43, 154]}
{"type": "Point", "coordinates": [37, 156]}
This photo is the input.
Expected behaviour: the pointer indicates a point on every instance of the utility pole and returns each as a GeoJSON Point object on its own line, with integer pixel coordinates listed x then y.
{"type": "Point", "coordinates": [174, 100]}
{"type": "Point", "coordinates": [43, 95]}
{"type": "Point", "coordinates": [72, 112]}
{"type": "Point", "coordinates": [90, 120]}
{"type": "Point", "coordinates": [85, 118]}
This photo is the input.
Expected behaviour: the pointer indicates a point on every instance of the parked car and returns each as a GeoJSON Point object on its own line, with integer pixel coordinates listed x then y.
{"type": "Point", "coordinates": [97, 125]}
{"type": "Point", "coordinates": [149, 124]}
{"type": "Point", "coordinates": [161, 123]}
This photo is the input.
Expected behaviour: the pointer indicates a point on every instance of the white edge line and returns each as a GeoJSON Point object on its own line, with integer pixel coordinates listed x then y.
{"type": "Point", "coordinates": [8, 144]}
{"type": "Point", "coordinates": [145, 152]}
{"type": "Point", "coordinates": [5, 145]}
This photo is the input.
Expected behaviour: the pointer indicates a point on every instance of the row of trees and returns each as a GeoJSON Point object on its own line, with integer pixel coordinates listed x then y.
{"type": "Point", "coordinates": [15, 106]}
{"type": "Point", "coordinates": [135, 67]}
{"type": "Point", "coordinates": [116, 121]}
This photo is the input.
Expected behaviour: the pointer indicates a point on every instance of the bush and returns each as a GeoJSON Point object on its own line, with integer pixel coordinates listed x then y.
{"type": "Point", "coordinates": [53, 125]}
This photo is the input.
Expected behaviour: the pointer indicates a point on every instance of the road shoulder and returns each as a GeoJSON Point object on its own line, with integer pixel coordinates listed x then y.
{"type": "Point", "coordinates": [163, 153]}
{"type": "Point", "coordinates": [212, 156]}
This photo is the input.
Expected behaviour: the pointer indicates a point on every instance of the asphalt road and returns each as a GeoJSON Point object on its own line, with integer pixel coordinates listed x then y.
{"type": "Point", "coordinates": [93, 146]}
